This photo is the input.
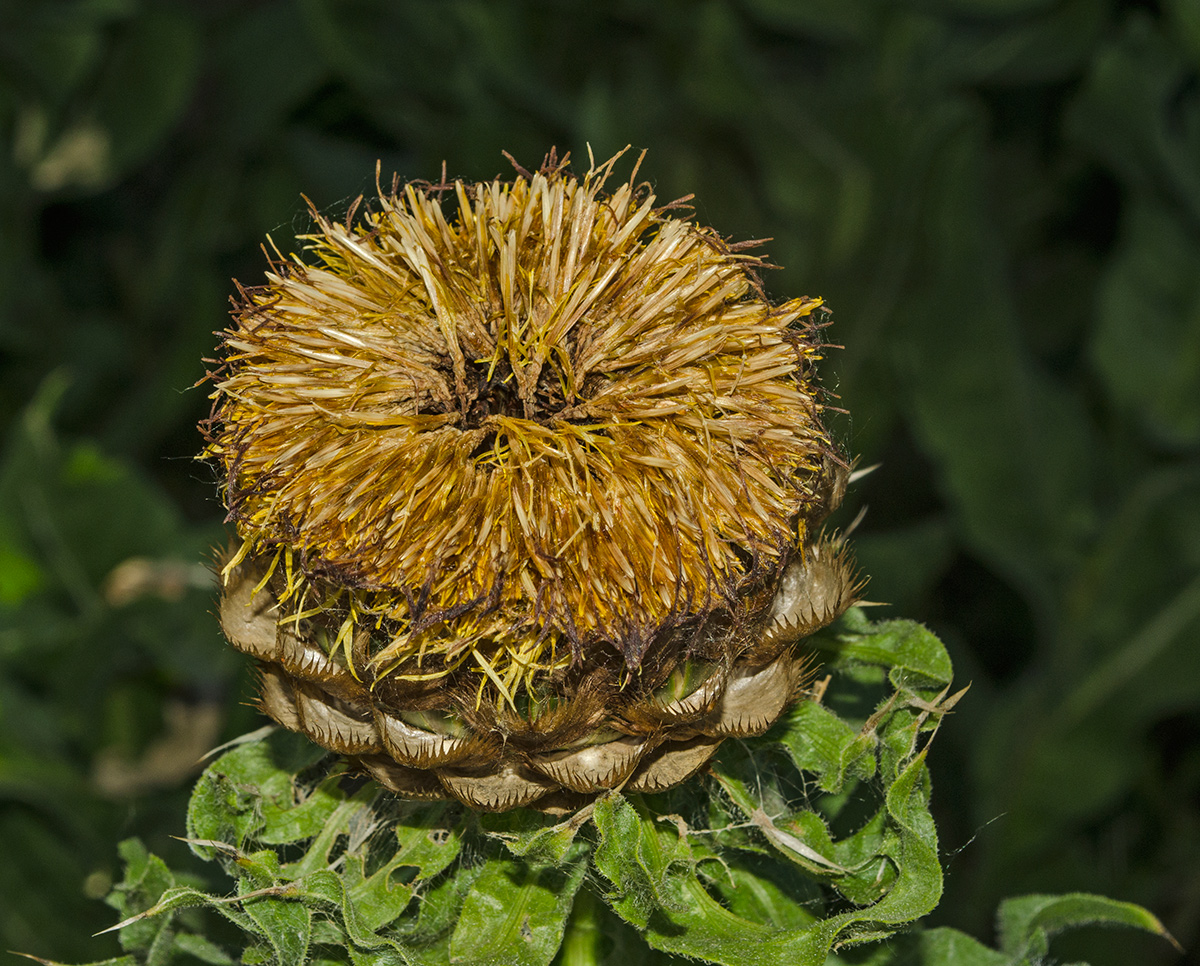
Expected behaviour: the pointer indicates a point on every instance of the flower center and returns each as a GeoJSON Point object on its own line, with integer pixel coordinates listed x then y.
{"type": "Point", "coordinates": [495, 395]}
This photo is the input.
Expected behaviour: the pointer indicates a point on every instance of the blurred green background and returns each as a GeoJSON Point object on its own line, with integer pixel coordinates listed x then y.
{"type": "Point", "coordinates": [1000, 199]}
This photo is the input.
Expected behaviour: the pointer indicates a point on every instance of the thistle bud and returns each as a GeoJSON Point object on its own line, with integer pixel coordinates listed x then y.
{"type": "Point", "coordinates": [527, 480]}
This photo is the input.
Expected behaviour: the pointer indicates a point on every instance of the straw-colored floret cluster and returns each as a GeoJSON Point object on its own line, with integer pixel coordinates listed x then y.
{"type": "Point", "coordinates": [503, 424]}
{"type": "Point", "coordinates": [526, 478]}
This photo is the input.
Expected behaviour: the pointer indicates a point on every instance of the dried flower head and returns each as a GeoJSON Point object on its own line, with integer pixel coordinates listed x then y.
{"type": "Point", "coordinates": [549, 429]}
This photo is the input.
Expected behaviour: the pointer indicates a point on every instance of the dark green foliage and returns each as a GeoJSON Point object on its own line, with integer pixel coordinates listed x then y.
{"type": "Point", "coordinates": [104, 701]}
{"type": "Point", "coordinates": [1001, 201]}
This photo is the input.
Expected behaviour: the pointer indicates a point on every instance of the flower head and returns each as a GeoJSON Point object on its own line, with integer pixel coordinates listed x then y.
{"type": "Point", "coordinates": [502, 428]}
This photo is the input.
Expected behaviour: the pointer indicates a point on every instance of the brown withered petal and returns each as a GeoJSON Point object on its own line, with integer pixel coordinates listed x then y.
{"type": "Point", "coordinates": [495, 790]}
{"type": "Point", "coordinates": [816, 588]}
{"type": "Point", "coordinates": [251, 623]}
{"type": "Point", "coordinates": [673, 763]}
{"type": "Point", "coordinates": [592, 768]}
{"type": "Point", "coordinates": [754, 698]}
{"type": "Point", "coordinates": [420, 748]}
{"type": "Point", "coordinates": [414, 783]}
{"type": "Point", "coordinates": [333, 724]}
{"type": "Point", "coordinates": [277, 697]}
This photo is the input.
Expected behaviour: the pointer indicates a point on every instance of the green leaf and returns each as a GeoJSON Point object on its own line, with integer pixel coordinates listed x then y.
{"type": "Point", "coordinates": [913, 850]}
{"type": "Point", "coordinates": [1151, 299]}
{"type": "Point", "coordinates": [801, 836]}
{"type": "Point", "coordinates": [822, 743]}
{"type": "Point", "coordinates": [658, 893]}
{"type": "Point", "coordinates": [147, 83]}
{"type": "Point", "coordinates": [1013, 447]}
{"type": "Point", "coordinates": [912, 654]}
{"type": "Point", "coordinates": [759, 889]}
{"type": "Point", "coordinates": [949, 947]}
{"type": "Point", "coordinates": [438, 911]}
{"type": "Point", "coordinates": [253, 789]}
{"type": "Point", "coordinates": [1028, 923]}
{"type": "Point", "coordinates": [425, 844]}
{"type": "Point", "coordinates": [20, 575]}
{"type": "Point", "coordinates": [198, 947]}
{"type": "Point", "coordinates": [516, 912]}
{"type": "Point", "coordinates": [1140, 86]}
{"type": "Point", "coordinates": [529, 834]}
{"type": "Point", "coordinates": [286, 924]}
{"type": "Point", "coordinates": [147, 880]}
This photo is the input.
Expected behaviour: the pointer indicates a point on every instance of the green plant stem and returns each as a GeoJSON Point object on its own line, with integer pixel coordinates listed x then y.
{"type": "Point", "coordinates": [581, 943]}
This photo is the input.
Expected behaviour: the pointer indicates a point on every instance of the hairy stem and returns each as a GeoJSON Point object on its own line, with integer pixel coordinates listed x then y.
{"type": "Point", "coordinates": [581, 942]}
